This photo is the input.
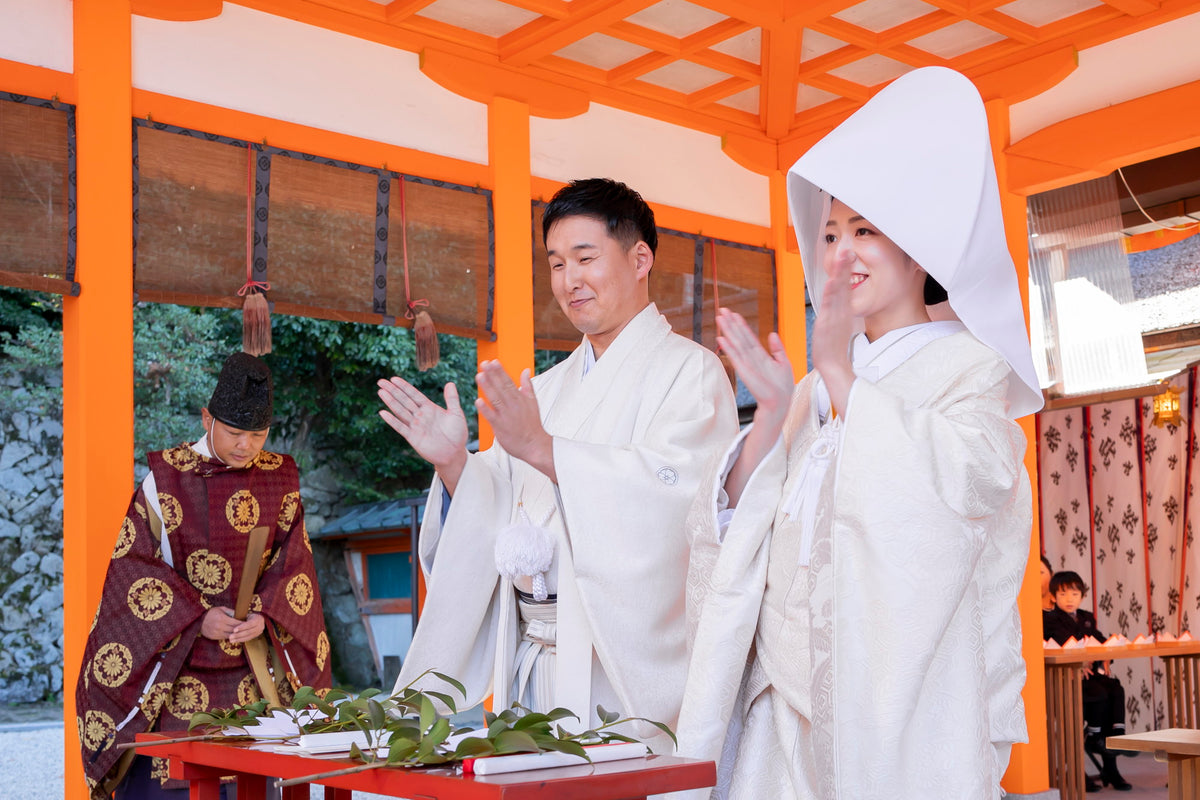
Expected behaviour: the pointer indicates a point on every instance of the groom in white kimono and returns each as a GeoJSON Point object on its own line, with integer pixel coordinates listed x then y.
{"type": "Point", "coordinates": [556, 560]}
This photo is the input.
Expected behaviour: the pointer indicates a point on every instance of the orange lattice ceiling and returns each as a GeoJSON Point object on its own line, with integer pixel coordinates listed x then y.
{"type": "Point", "coordinates": [769, 69]}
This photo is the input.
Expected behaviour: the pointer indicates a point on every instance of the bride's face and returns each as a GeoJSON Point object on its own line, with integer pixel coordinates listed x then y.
{"type": "Point", "coordinates": [886, 286]}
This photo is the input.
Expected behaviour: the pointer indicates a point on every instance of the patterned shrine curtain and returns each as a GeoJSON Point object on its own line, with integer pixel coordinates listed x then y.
{"type": "Point", "coordinates": [1115, 507]}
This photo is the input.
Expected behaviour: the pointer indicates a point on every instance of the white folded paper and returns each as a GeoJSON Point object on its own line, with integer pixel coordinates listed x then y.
{"type": "Point", "coordinates": [518, 762]}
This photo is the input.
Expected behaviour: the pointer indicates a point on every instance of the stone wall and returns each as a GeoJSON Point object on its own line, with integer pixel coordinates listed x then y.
{"type": "Point", "coordinates": [31, 565]}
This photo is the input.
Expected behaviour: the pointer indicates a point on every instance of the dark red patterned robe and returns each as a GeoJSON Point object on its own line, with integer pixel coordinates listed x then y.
{"type": "Point", "coordinates": [146, 666]}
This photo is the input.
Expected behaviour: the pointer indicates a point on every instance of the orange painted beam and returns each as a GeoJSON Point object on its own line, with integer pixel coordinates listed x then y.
{"type": "Point", "coordinates": [398, 10]}
{"type": "Point", "coordinates": [178, 10]}
{"type": "Point", "coordinates": [755, 154]}
{"type": "Point", "coordinates": [789, 278]}
{"type": "Point", "coordinates": [718, 91]}
{"type": "Point", "coordinates": [544, 36]}
{"type": "Point", "coordinates": [318, 142]}
{"type": "Point", "coordinates": [1028, 769]}
{"type": "Point", "coordinates": [1152, 240]}
{"type": "Point", "coordinates": [482, 82]}
{"type": "Point", "coordinates": [1098, 142]}
{"type": "Point", "coordinates": [508, 153]}
{"type": "Point", "coordinates": [26, 79]}
{"type": "Point", "coordinates": [1134, 8]}
{"type": "Point", "coordinates": [777, 99]}
{"type": "Point", "coordinates": [97, 339]}
{"type": "Point", "coordinates": [1028, 78]}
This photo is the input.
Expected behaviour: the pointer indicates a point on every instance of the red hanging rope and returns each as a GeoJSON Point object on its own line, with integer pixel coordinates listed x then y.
{"type": "Point", "coordinates": [411, 305]}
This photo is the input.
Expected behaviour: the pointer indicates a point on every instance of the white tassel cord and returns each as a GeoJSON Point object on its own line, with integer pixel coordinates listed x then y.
{"type": "Point", "coordinates": [524, 549]}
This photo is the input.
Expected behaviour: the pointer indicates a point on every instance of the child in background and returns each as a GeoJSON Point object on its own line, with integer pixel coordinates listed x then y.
{"type": "Point", "coordinates": [1103, 695]}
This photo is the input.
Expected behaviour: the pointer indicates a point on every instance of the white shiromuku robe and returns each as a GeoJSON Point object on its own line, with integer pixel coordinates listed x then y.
{"type": "Point", "coordinates": [633, 438]}
{"type": "Point", "coordinates": [883, 659]}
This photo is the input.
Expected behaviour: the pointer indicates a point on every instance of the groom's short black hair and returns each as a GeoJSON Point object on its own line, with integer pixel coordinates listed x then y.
{"type": "Point", "coordinates": [621, 209]}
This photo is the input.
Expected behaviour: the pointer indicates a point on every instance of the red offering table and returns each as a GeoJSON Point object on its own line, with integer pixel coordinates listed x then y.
{"type": "Point", "coordinates": [1064, 701]}
{"type": "Point", "coordinates": [203, 764]}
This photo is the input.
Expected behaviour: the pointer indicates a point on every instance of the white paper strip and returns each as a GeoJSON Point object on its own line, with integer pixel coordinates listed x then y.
{"type": "Point", "coordinates": [495, 765]}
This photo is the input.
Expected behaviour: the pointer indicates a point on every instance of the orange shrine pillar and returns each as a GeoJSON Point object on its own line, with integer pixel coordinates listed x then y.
{"type": "Point", "coordinates": [512, 192]}
{"type": "Point", "coordinates": [1028, 770]}
{"type": "Point", "coordinates": [97, 338]}
{"type": "Point", "coordinates": [789, 277]}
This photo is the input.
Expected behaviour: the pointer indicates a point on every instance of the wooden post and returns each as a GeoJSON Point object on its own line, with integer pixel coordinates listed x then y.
{"type": "Point", "coordinates": [97, 338]}
{"type": "Point", "coordinates": [789, 278]}
{"type": "Point", "coordinates": [512, 192]}
{"type": "Point", "coordinates": [1028, 767]}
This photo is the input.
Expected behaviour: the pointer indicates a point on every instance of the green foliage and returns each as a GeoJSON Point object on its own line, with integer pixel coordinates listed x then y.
{"type": "Point", "coordinates": [325, 374]}
{"type": "Point", "coordinates": [31, 348]}
{"type": "Point", "coordinates": [325, 396]}
{"type": "Point", "coordinates": [31, 371]}
{"type": "Point", "coordinates": [177, 355]}
{"type": "Point", "coordinates": [21, 310]}
{"type": "Point", "coordinates": [417, 734]}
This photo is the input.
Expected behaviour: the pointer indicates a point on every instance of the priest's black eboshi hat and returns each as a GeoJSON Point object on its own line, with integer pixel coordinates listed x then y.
{"type": "Point", "coordinates": [244, 396]}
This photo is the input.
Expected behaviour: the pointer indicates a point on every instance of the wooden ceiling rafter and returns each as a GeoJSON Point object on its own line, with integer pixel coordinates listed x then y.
{"type": "Point", "coordinates": [544, 36]}
{"type": "Point", "coordinates": [1134, 8]}
{"type": "Point", "coordinates": [534, 49]}
{"type": "Point", "coordinates": [777, 97]}
{"type": "Point", "coordinates": [400, 10]}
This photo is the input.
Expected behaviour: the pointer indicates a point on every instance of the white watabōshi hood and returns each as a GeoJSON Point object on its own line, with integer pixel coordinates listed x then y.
{"type": "Point", "coordinates": [916, 162]}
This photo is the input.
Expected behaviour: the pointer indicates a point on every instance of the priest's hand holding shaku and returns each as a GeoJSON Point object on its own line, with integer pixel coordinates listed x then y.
{"type": "Point", "coordinates": [220, 624]}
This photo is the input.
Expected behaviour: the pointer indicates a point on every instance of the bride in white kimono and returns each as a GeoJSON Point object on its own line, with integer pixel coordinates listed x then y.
{"type": "Point", "coordinates": [856, 560]}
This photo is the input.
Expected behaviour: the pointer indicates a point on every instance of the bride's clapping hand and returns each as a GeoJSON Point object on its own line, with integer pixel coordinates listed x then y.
{"type": "Point", "coordinates": [766, 372]}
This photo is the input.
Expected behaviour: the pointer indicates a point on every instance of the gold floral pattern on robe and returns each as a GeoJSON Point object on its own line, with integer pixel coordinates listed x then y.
{"type": "Point", "coordinates": [188, 696]}
{"type": "Point", "coordinates": [287, 512]}
{"type": "Point", "coordinates": [268, 461]}
{"type": "Point", "coordinates": [112, 664]}
{"type": "Point", "coordinates": [124, 539]}
{"type": "Point", "coordinates": [182, 458]}
{"type": "Point", "coordinates": [247, 691]}
{"type": "Point", "coordinates": [300, 594]}
{"type": "Point", "coordinates": [209, 572]}
{"type": "Point", "coordinates": [157, 699]}
{"type": "Point", "coordinates": [172, 513]}
{"type": "Point", "coordinates": [96, 728]}
{"type": "Point", "coordinates": [242, 511]}
{"type": "Point", "coordinates": [322, 649]}
{"type": "Point", "coordinates": [150, 599]}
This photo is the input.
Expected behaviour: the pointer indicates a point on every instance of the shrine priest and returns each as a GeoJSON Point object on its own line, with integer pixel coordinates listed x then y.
{"type": "Point", "coordinates": [180, 628]}
{"type": "Point", "coordinates": [556, 559]}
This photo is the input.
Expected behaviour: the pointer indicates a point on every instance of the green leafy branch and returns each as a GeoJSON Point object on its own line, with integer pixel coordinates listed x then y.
{"type": "Point", "coordinates": [415, 731]}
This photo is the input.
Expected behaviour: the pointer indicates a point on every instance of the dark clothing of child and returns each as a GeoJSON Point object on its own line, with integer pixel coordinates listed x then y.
{"type": "Point", "coordinates": [1103, 695]}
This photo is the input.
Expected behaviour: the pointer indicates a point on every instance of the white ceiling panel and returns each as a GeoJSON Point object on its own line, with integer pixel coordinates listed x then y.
{"type": "Point", "coordinates": [743, 101]}
{"type": "Point", "coordinates": [677, 18]}
{"type": "Point", "coordinates": [488, 17]}
{"type": "Point", "coordinates": [684, 76]}
{"type": "Point", "coordinates": [746, 46]}
{"type": "Point", "coordinates": [1043, 12]}
{"type": "Point", "coordinates": [810, 97]}
{"type": "Point", "coordinates": [814, 44]}
{"type": "Point", "coordinates": [881, 15]}
{"type": "Point", "coordinates": [954, 40]}
{"type": "Point", "coordinates": [603, 52]}
{"type": "Point", "coordinates": [871, 71]}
